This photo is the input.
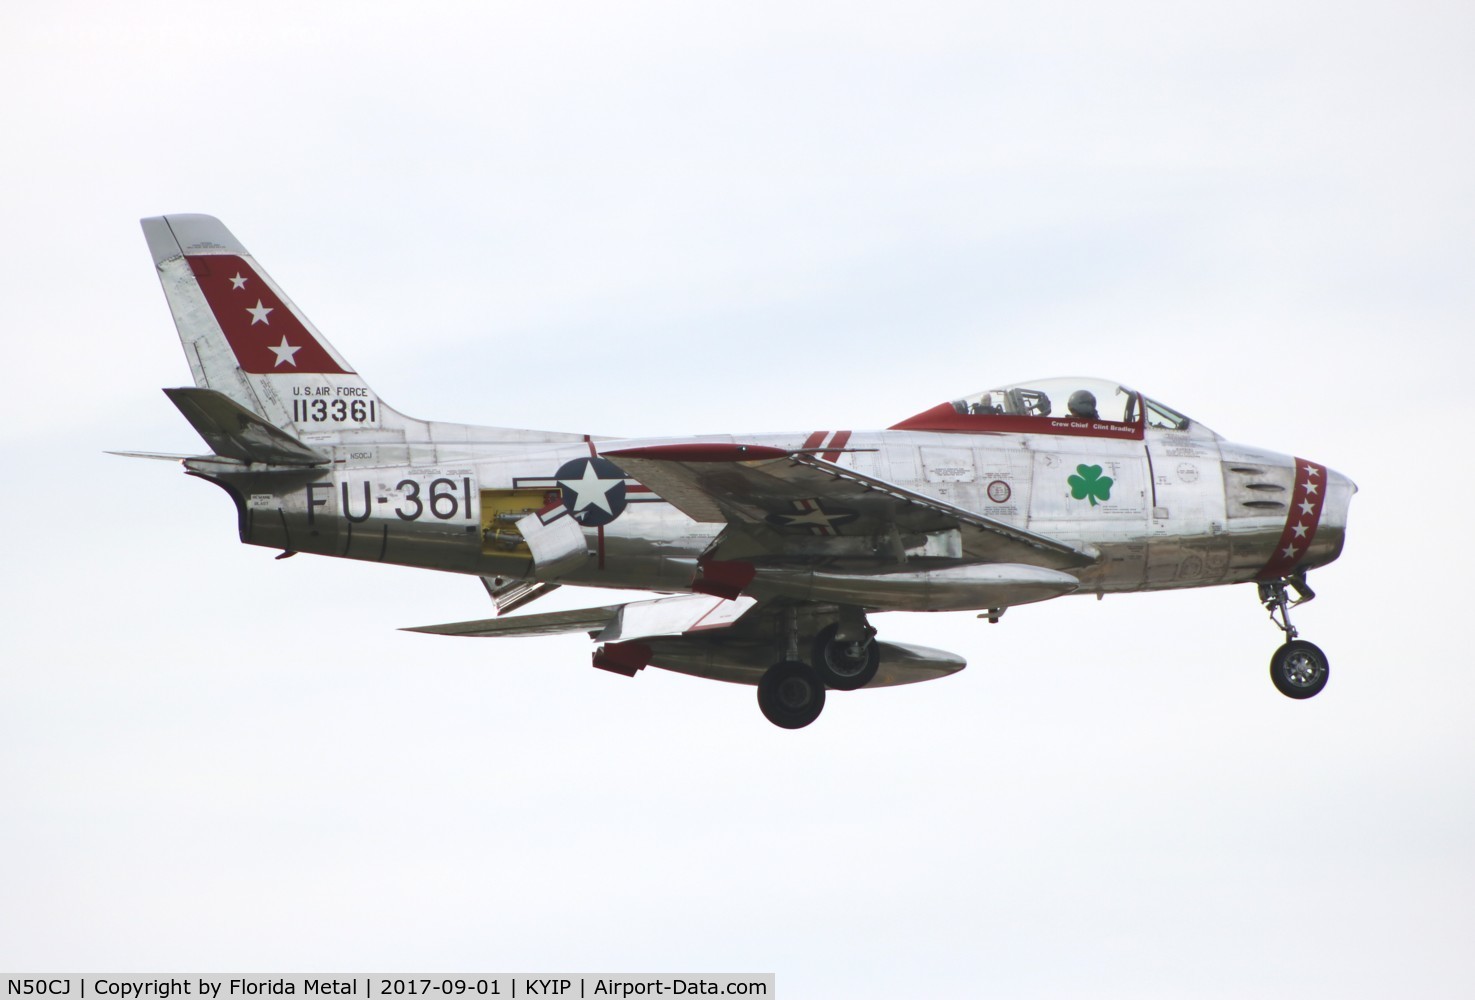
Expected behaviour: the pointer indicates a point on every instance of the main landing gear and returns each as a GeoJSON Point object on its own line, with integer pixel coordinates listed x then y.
{"type": "Point", "coordinates": [843, 656]}
{"type": "Point", "coordinates": [1299, 669]}
{"type": "Point", "coordinates": [791, 695]}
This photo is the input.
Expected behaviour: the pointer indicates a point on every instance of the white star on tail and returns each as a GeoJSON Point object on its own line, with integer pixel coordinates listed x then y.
{"type": "Point", "coordinates": [258, 314]}
{"type": "Point", "coordinates": [238, 282]}
{"type": "Point", "coordinates": [590, 490]}
{"type": "Point", "coordinates": [284, 352]}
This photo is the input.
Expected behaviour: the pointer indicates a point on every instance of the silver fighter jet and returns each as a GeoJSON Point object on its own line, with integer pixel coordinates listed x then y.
{"type": "Point", "coordinates": [770, 551]}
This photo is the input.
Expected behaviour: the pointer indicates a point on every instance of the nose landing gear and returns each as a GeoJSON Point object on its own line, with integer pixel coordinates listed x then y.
{"type": "Point", "coordinates": [1299, 669]}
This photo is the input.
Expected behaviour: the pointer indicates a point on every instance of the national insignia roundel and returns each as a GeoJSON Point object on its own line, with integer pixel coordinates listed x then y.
{"type": "Point", "coordinates": [593, 490]}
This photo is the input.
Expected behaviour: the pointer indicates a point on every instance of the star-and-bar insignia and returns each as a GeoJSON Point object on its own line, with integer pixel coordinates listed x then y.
{"type": "Point", "coordinates": [1301, 521]}
{"type": "Point", "coordinates": [593, 490]}
{"type": "Point", "coordinates": [818, 517]}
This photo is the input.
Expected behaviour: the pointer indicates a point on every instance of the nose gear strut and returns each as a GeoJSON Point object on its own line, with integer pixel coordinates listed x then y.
{"type": "Point", "coordinates": [1299, 669]}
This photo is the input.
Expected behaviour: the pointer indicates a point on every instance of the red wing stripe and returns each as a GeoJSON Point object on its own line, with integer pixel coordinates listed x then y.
{"type": "Point", "coordinates": [812, 442]}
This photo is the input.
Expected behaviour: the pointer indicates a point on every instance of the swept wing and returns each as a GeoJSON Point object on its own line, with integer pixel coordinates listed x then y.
{"type": "Point", "coordinates": [794, 504]}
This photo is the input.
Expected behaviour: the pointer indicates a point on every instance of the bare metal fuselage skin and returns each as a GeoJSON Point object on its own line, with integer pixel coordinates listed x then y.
{"type": "Point", "coordinates": [1187, 509]}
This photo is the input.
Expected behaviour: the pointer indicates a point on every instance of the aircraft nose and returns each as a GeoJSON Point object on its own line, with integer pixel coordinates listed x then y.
{"type": "Point", "coordinates": [1338, 501]}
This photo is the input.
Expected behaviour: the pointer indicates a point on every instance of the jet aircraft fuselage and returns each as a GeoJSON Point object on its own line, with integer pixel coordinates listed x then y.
{"type": "Point", "coordinates": [772, 550]}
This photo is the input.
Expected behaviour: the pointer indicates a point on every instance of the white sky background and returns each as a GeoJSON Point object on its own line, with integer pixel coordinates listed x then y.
{"type": "Point", "coordinates": [670, 218]}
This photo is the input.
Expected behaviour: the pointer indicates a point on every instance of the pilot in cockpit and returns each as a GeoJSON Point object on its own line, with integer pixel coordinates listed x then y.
{"type": "Point", "coordinates": [985, 406]}
{"type": "Point", "coordinates": [1082, 404]}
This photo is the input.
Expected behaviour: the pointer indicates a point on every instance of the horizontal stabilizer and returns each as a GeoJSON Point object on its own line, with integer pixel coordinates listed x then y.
{"type": "Point", "coordinates": [232, 431]}
{"type": "Point", "coordinates": [157, 456]}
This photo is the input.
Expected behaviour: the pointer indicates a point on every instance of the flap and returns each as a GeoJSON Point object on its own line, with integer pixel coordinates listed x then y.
{"type": "Point", "coordinates": [677, 615]}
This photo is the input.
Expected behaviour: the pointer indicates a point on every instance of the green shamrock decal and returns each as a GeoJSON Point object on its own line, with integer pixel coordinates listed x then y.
{"type": "Point", "coordinates": [1090, 483]}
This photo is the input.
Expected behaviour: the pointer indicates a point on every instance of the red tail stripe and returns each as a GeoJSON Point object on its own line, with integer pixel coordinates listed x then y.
{"type": "Point", "coordinates": [264, 334]}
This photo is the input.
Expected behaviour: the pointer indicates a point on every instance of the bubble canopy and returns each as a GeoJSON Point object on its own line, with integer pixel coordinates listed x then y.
{"type": "Point", "coordinates": [1091, 407]}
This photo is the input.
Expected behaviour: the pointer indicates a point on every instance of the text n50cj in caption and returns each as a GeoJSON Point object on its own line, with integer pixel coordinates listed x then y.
{"type": "Point", "coordinates": [133, 986]}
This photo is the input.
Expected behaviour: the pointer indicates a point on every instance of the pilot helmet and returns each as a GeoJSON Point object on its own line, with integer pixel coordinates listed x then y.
{"type": "Point", "coordinates": [1082, 403]}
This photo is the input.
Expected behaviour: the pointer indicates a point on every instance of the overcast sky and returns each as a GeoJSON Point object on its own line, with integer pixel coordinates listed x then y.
{"type": "Point", "coordinates": [667, 218]}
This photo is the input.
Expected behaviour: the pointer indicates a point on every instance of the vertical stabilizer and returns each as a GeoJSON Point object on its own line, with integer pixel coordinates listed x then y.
{"type": "Point", "coordinates": [244, 338]}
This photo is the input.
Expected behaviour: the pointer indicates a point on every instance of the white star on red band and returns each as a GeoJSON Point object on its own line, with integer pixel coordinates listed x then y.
{"type": "Point", "coordinates": [1300, 525]}
{"type": "Point", "coordinates": [282, 344]}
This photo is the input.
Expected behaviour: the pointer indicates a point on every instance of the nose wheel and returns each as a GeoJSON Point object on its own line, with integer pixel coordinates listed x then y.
{"type": "Point", "coordinates": [1298, 669]}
